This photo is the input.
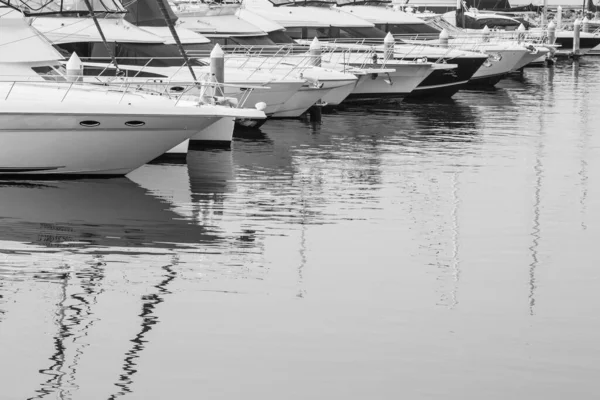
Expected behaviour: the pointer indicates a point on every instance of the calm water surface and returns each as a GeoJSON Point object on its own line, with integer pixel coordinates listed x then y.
{"type": "Point", "coordinates": [421, 251]}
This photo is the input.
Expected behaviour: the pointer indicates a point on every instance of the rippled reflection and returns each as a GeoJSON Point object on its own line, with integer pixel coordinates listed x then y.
{"type": "Point", "coordinates": [78, 293]}
{"type": "Point", "coordinates": [148, 321]}
{"type": "Point", "coordinates": [92, 214]}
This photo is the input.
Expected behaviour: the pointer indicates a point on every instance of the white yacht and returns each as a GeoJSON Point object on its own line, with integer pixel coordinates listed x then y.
{"type": "Point", "coordinates": [219, 23]}
{"type": "Point", "coordinates": [504, 56]}
{"type": "Point", "coordinates": [141, 48]}
{"type": "Point", "coordinates": [379, 76]}
{"type": "Point", "coordinates": [66, 127]}
{"type": "Point", "coordinates": [472, 19]}
{"type": "Point", "coordinates": [324, 20]}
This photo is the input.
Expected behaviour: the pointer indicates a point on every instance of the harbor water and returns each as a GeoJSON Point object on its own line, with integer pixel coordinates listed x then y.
{"type": "Point", "coordinates": [425, 250]}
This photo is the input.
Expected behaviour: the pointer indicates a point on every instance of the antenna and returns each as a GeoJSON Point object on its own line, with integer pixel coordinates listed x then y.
{"type": "Point", "coordinates": [165, 14]}
{"type": "Point", "coordinates": [110, 53]}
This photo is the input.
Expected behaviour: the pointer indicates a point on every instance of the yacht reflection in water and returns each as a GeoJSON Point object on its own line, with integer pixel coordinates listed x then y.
{"type": "Point", "coordinates": [94, 214]}
{"type": "Point", "coordinates": [85, 222]}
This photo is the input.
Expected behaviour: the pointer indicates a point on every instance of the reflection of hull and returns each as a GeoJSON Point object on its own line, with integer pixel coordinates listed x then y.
{"type": "Point", "coordinates": [169, 183]}
{"type": "Point", "coordinates": [211, 172]}
{"type": "Point", "coordinates": [211, 177]}
{"type": "Point", "coordinates": [83, 213]}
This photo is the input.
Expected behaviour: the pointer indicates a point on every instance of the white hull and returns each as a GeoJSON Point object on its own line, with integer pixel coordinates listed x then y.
{"type": "Point", "coordinates": [398, 83]}
{"type": "Point", "coordinates": [532, 57]}
{"type": "Point", "coordinates": [337, 84]}
{"type": "Point", "coordinates": [508, 61]}
{"type": "Point", "coordinates": [36, 143]}
{"type": "Point", "coordinates": [338, 91]}
{"type": "Point", "coordinates": [300, 102]}
{"type": "Point", "coordinates": [274, 95]}
{"type": "Point", "coordinates": [180, 150]}
{"type": "Point", "coordinates": [219, 132]}
{"type": "Point", "coordinates": [54, 128]}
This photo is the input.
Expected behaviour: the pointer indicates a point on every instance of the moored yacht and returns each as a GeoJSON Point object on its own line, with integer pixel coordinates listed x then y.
{"type": "Point", "coordinates": [140, 48]}
{"type": "Point", "coordinates": [504, 56]}
{"type": "Point", "coordinates": [66, 127]}
{"type": "Point", "coordinates": [220, 23]}
{"type": "Point", "coordinates": [475, 20]}
{"type": "Point", "coordinates": [322, 19]}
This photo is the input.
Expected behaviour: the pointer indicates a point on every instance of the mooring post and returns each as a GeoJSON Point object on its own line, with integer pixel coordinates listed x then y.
{"type": "Point", "coordinates": [551, 32]}
{"type": "Point", "coordinates": [486, 33]}
{"type": "Point", "coordinates": [444, 38]}
{"type": "Point", "coordinates": [217, 70]}
{"type": "Point", "coordinates": [316, 53]}
{"type": "Point", "coordinates": [521, 35]}
{"type": "Point", "coordinates": [576, 36]}
{"type": "Point", "coordinates": [74, 68]}
{"type": "Point", "coordinates": [585, 24]}
{"type": "Point", "coordinates": [388, 47]}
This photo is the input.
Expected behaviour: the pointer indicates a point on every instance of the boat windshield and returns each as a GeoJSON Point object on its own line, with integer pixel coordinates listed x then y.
{"type": "Point", "coordinates": [253, 40]}
{"type": "Point", "coordinates": [500, 23]}
{"type": "Point", "coordinates": [280, 37]}
{"type": "Point", "coordinates": [154, 55]}
{"type": "Point", "coordinates": [242, 41]}
{"type": "Point", "coordinates": [362, 33]}
{"type": "Point", "coordinates": [334, 32]}
{"type": "Point", "coordinates": [49, 7]}
{"type": "Point", "coordinates": [51, 72]}
{"type": "Point", "coordinates": [439, 24]}
{"type": "Point", "coordinates": [408, 29]}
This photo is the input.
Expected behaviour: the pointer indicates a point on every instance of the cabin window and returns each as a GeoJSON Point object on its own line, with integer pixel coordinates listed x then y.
{"type": "Point", "coordinates": [253, 41]}
{"type": "Point", "coordinates": [362, 33]}
{"type": "Point", "coordinates": [497, 23]}
{"type": "Point", "coordinates": [280, 37]}
{"type": "Point", "coordinates": [220, 41]}
{"type": "Point", "coordinates": [325, 33]}
{"type": "Point", "coordinates": [51, 73]}
{"type": "Point", "coordinates": [408, 29]}
{"type": "Point", "coordinates": [103, 71]}
{"type": "Point", "coordinates": [308, 33]}
{"type": "Point", "coordinates": [294, 33]}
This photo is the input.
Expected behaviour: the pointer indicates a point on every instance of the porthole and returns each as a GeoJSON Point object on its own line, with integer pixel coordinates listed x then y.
{"type": "Point", "coordinates": [177, 89]}
{"type": "Point", "coordinates": [89, 123]}
{"type": "Point", "coordinates": [135, 124]}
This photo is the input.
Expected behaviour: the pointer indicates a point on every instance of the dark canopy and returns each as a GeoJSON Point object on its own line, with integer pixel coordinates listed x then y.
{"type": "Point", "coordinates": [488, 4]}
{"type": "Point", "coordinates": [147, 13]}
